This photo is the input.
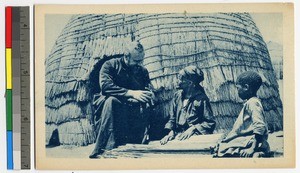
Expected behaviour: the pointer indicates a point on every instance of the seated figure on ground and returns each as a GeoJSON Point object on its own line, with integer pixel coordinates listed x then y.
{"type": "Point", "coordinates": [248, 137]}
{"type": "Point", "coordinates": [190, 112]}
{"type": "Point", "coordinates": [122, 106]}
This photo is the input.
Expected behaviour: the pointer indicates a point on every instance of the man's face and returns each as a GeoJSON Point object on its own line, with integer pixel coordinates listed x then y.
{"type": "Point", "coordinates": [134, 62]}
{"type": "Point", "coordinates": [135, 59]}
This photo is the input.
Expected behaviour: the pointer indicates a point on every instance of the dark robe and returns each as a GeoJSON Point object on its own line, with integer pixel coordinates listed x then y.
{"type": "Point", "coordinates": [197, 112]}
{"type": "Point", "coordinates": [117, 120]}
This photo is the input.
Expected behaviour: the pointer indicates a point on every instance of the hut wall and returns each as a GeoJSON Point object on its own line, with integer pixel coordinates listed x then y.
{"type": "Point", "coordinates": [276, 54]}
{"type": "Point", "coordinates": [222, 44]}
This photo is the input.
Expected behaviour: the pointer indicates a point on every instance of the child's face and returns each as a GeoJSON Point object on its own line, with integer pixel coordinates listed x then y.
{"type": "Point", "coordinates": [243, 90]}
{"type": "Point", "coordinates": [183, 83]}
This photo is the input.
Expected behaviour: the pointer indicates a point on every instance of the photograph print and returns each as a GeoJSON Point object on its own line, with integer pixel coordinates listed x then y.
{"type": "Point", "coordinates": [186, 84]}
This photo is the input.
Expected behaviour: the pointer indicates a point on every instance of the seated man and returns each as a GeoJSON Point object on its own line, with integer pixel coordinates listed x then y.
{"type": "Point", "coordinates": [122, 106]}
{"type": "Point", "coordinates": [248, 137]}
{"type": "Point", "coordinates": [191, 113]}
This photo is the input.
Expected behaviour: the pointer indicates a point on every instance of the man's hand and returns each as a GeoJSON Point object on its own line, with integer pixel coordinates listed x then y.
{"type": "Point", "coordinates": [132, 100]}
{"type": "Point", "coordinates": [167, 138]}
{"type": "Point", "coordinates": [247, 152]}
{"type": "Point", "coordinates": [140, 95]}
{"type": "Point", "coordinates": [187, 134]}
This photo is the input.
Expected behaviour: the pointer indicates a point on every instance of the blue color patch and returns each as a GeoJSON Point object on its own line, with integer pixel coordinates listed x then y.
{"type": "Point", "coordinates": [10, 162]}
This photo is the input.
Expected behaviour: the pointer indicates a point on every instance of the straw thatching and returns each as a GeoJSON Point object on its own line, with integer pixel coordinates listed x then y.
{"type": "Point", "coordinates": [276, 54]}
{"type": "Point", "coordinates": [222, 44]}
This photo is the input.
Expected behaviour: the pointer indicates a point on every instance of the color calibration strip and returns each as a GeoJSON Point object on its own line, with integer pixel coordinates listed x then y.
{"type": "Point", "coordinates": [17, 88]}
{"type": "Point", "coordinates": [8, 51]}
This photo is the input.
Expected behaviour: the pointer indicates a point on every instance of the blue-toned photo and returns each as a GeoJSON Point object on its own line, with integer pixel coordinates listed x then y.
{"type": "Point", "coordinates": [164, 85]}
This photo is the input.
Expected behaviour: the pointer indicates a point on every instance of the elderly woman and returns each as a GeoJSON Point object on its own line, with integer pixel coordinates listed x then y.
{"type": "Point", "coordinates": [190, 113]}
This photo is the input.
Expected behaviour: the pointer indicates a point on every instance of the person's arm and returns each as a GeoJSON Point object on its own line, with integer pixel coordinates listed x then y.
{"type": "Point", "coordinates": [250, 151]}
{"type": "Point", "coordinates": [200, 119]}
{"type": "Point", "coordinates": [107, 81]}
{"type": "Point", "coordinates": [171, 124]}
{"type": "Point", "coordinates": [187, 133]}
{"type": "Point", "coordinates": [149, 87]}
{"type": "Point", "coordinates": [258, 120]}
{"type": "Point", "coordinates": [195, 114]}
{"type": "Point", "coordinates": [144, 95]}
{"type": "Point", "coordinates": [204, 112]}
{"type": "Point", "coordinates": [170, 136]}
{"type": "Point", "coordinates": [108, 86]}
{"type": "Point", "coordinates": [259, 127]}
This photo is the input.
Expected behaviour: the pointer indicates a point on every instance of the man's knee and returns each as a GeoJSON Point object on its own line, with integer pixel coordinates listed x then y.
{"type": "Point", "coordinates": [111, 106]}
{"type": "Point", "coordinates": [112, 101]}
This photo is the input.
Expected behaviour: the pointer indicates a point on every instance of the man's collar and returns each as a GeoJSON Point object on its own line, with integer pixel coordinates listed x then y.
{"type": "Point", "coordinates": [124, 65]}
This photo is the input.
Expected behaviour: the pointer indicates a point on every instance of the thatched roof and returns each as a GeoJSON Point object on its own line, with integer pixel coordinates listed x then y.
{"type": "Point", "coordinates": [222, 44]}
{"type": "Point", "coordinates": [276, 54]}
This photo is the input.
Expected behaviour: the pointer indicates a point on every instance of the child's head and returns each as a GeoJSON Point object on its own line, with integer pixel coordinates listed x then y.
{"type": "Point", "coordinates": [190, 76]}
{"type": "Point", "coordinates": [247, 84]}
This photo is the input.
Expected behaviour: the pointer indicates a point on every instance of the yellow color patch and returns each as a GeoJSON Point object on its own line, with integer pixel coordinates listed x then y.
{"type": "Point", "coordinates": [8, 68]}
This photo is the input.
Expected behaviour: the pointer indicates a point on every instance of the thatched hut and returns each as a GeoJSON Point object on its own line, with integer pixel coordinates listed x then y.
{"type": "Point", "coordinates": [222, 44]}
{"type": "Point", "coordinates": [276, 54]}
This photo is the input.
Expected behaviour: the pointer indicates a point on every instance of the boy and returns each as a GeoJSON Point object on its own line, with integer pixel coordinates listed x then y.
{"type": "Point", "coordinates": [248, 137]}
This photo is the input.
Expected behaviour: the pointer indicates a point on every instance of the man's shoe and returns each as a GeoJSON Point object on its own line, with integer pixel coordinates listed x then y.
{"type": "Point", "coordinates": [93, 156]}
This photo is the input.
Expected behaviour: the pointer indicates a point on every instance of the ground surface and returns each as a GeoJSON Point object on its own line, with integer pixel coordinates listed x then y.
{"type": "Point", "coordinates": [197, 146]}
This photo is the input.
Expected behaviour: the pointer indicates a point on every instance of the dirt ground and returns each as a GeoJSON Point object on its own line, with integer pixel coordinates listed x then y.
{"type": "Point", "coordinates": [154, 149]}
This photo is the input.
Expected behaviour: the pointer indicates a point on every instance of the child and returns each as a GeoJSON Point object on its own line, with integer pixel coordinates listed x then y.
{"type": "Point", "coordinates": [190, 113]}
{"type": "Point", "coordinates": [248, 137]}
